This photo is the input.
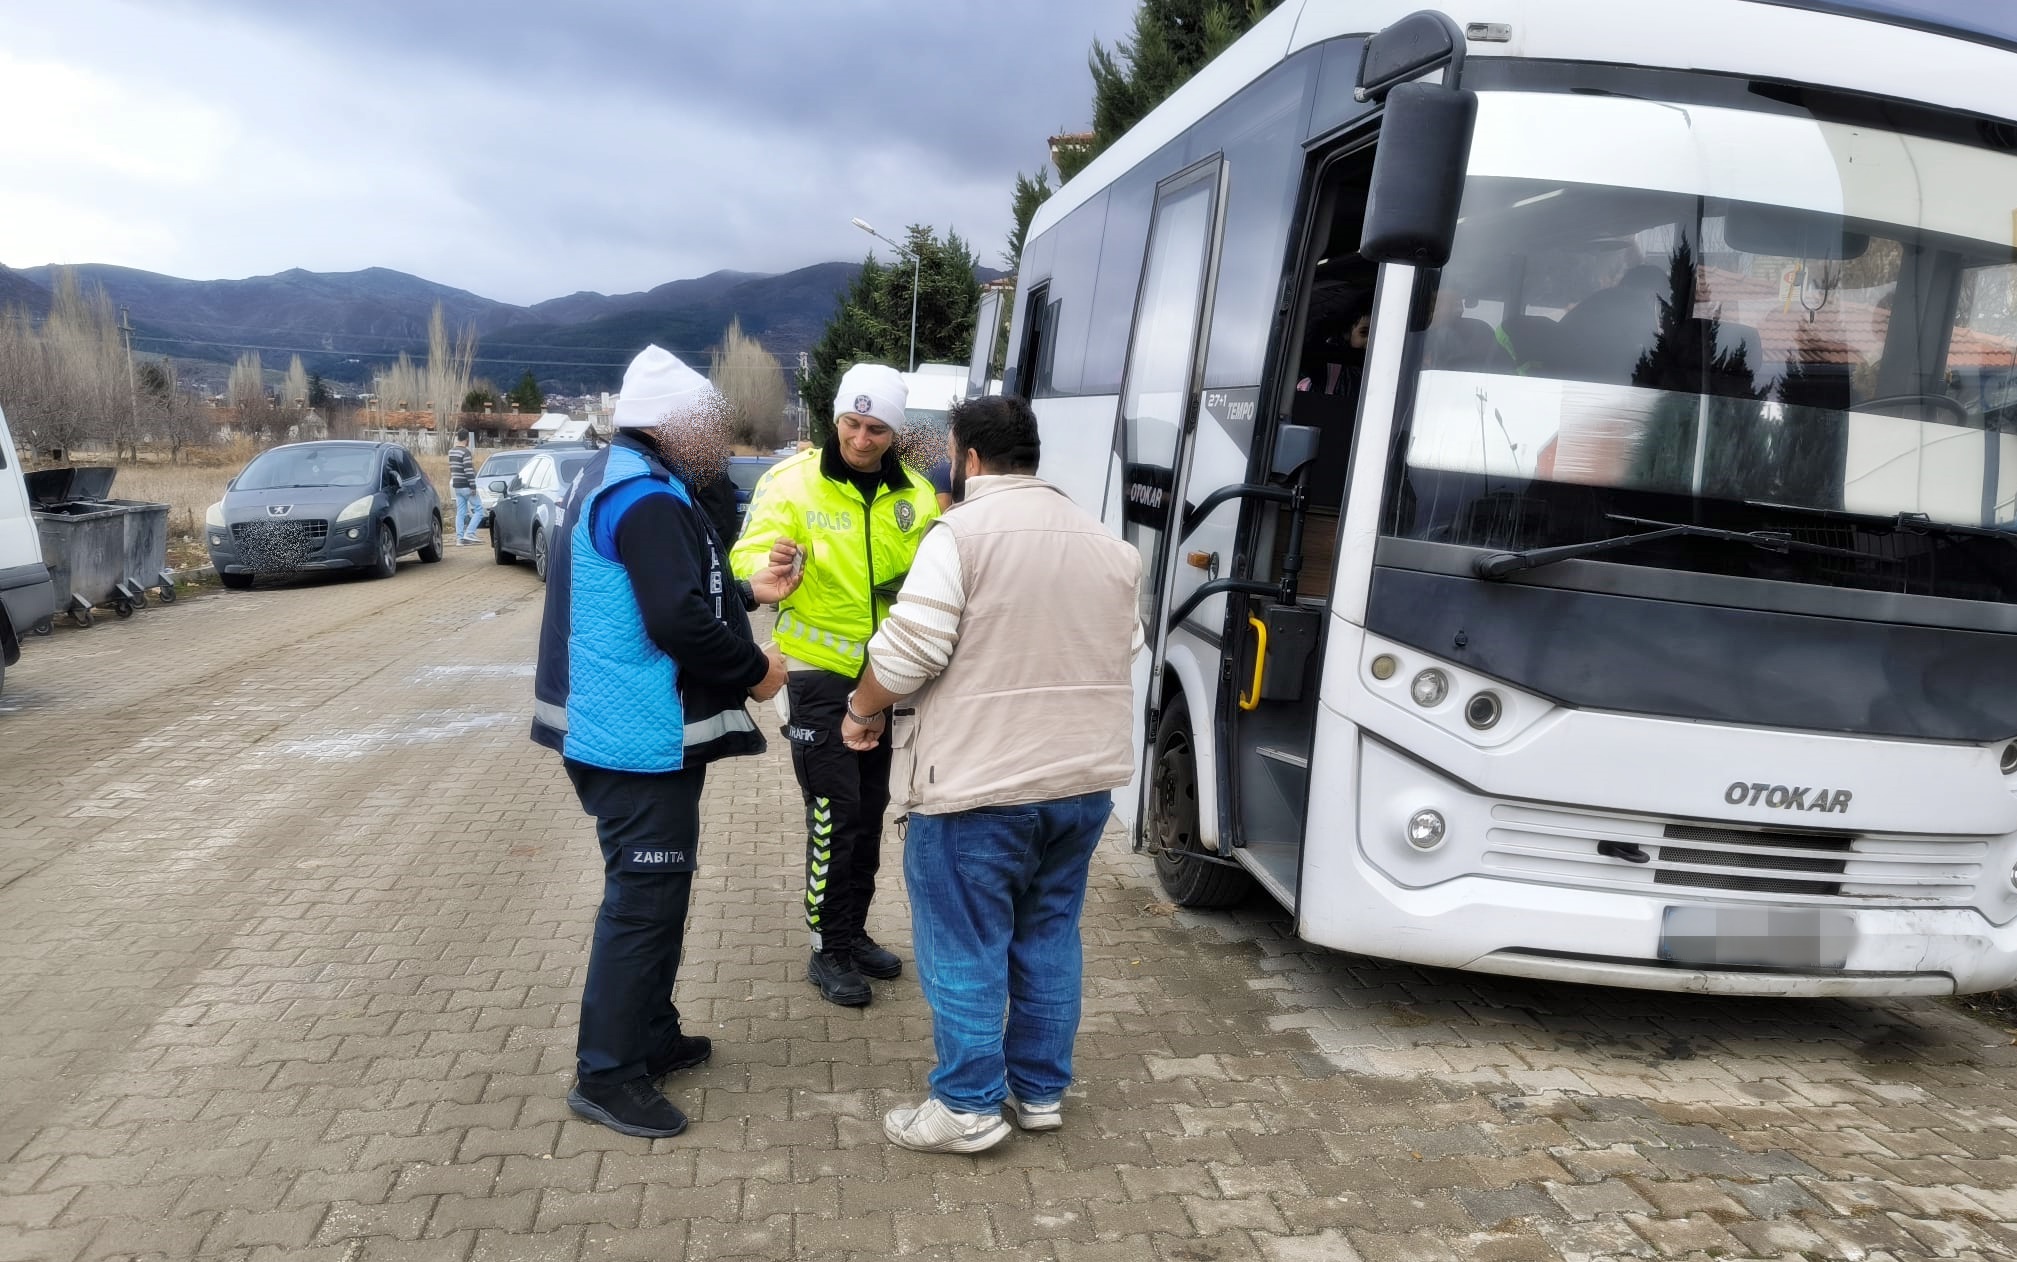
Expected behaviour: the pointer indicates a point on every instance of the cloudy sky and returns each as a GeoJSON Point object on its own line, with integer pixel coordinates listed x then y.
{"type": "Point", "coordinates": [523, 149]}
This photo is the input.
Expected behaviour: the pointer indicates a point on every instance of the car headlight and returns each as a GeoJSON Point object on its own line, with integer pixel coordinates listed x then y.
{"type": "Point", "coordinates": [213, 516]}
{"type": "Point", "coordinates": [359, 507]}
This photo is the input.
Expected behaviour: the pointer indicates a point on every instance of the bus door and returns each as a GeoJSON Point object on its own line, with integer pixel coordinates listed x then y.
{"type": "Point", "coordinates": [1316, 385]}
{"type": "Point", "coordinates": [1159, 402]}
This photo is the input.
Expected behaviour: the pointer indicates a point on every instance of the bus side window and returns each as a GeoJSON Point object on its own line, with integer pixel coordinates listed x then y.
{"type": "Point", "coordinates": [1035, 353]}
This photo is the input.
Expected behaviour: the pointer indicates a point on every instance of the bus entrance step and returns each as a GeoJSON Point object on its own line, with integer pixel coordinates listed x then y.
{"type": "Point", "coordinates": [1288, 756]}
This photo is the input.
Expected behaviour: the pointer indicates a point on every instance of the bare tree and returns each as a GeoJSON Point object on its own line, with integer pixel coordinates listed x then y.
{"type": "Point", "coordinates": [65, 383]}
{"type": "Point", "coordinates": [246, 396]}
{"type": "Point", "coordinates": [752, 381]}
{"type": "Point", "coordinates": [446, 376]}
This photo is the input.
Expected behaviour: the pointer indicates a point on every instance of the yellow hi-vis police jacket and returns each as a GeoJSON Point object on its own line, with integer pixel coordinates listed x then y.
{"type": "Point", "coordinates": [857, 552]}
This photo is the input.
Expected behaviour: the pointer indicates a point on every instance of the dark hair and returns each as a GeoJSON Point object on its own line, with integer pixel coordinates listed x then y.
{"type": "Point", "coordinates": [1001, 429]}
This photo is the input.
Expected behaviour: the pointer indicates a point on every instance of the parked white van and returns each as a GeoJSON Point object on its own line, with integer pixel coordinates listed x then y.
{"type": "Point", "coordinates": [27, 597]}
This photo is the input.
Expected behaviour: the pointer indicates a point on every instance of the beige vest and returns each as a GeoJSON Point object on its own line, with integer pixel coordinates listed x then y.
{"type": "Point", "coordinates": [1038, 701]}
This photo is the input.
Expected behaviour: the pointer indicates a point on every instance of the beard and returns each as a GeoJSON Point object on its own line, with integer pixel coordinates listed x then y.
{"type": "Point", "coordinates": [959, 477]}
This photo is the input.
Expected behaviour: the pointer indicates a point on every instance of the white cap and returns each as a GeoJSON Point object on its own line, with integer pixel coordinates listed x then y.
{"type": "Point", "coordinates": [655, 386]}
{"type": "Point", "coordinates": [873, 390]}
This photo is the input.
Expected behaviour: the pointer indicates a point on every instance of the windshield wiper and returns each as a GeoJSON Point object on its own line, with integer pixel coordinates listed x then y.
{"type": "Point", "coordinates": [1501, 564]}
{"type": "Point", "coordinates": [1921, 524]}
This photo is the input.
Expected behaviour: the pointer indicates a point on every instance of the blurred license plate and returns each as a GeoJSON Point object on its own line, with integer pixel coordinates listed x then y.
{"type": "Point", "coordinates": [1757, 937]}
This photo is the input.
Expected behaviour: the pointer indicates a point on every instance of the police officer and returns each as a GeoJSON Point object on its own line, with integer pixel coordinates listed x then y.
{"type": "Point", "coordinates": [645, 658]}
{"type": "Point", "coordinates": [848, 516]}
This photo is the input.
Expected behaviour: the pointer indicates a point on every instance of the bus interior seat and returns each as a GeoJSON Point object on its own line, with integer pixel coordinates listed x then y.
{"type": "Point", "coordinates": [1465, 344]}
{"type": "Point", "coordinates": [1534, 339]}
{"type": "Point", "coordinates": [1603, 337]}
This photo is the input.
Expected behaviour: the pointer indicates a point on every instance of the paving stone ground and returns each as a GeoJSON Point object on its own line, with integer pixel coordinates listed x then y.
{"type": "Point", "coordinates": [292, 925]}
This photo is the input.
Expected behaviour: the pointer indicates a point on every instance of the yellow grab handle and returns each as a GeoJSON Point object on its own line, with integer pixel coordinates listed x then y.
{"type": "Point", "coordinates": [1260, 662]}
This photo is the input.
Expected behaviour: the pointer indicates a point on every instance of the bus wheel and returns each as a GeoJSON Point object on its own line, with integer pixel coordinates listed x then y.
{"type": "Point", "coordinates": [1173, 821]}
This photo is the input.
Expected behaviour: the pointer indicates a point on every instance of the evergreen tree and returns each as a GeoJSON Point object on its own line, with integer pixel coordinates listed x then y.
{"type": "Point", "coordinates": [872, 322]}
{"type": "Point", "coordinates": [318, 392]}
{"type": "Point", "coordinates": [527, 394]}
{"type": "Point", "coordinates": [1689, 360]}
{"type": "Point", "coordinates": [1173, 39]}
{"type": "Point", "coordinates": [1029, 194]}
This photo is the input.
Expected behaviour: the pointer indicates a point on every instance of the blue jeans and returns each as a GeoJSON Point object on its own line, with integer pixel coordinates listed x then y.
{"type": "Point", "coordinates": [469, 510]}
{"type": "Point", "coordinates": [995, 897]}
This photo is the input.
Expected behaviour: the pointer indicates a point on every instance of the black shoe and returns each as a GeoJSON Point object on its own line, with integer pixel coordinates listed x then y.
{"type": "Point", "coordinates": [871, 960]}
{"type": "Point", "coordinates": [684, 1052]}
{"type": "Point", "coordinates": [634, 1107]}
{"type": "Point", "coordinates": [834, 973]}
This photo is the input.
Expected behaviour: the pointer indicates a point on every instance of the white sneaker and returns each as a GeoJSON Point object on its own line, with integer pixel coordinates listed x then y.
{"type": "Point", "coordinates": [1036, 1117]}
{"type": "Point", "coordinates": [932, 1127]}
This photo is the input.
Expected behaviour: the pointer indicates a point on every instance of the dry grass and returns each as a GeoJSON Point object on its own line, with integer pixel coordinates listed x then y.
{"type": "Point", "coordinates": [191, 487]}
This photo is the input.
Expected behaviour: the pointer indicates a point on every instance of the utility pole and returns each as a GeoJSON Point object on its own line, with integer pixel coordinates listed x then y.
{"type": "Point", "coordinates": [132, 382]}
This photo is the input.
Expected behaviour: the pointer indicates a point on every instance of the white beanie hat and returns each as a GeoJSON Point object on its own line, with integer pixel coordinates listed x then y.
{"type": "Point", "coordinates": [873, 390]}
{"type": "Point", "coordinates": [655, 386]}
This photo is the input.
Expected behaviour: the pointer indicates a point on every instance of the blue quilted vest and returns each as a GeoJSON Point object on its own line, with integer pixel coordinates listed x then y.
{"type": "Point", "coordinates": [605, 694]}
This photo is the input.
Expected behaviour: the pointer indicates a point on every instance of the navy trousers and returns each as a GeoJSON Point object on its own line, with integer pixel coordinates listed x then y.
{"type": "Point", "coordinates": [649, 827]}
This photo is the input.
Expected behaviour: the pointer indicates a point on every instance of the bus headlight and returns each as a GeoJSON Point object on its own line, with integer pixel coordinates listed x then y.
{"type": "Point", "coordinates": [2009, 759]}
{"type": "Point", "coordinates": [1426, 830]}
{"type": "Point", "coordinates": [1483, 710]}
{"type": "Point", "coordinates": [1430, 687]}
{"type": "Point", "coordinates": [1384, 667]}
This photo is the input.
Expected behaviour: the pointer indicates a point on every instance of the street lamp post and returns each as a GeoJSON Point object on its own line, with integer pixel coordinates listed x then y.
{"type": "Point", "coordinates": [916, 270]}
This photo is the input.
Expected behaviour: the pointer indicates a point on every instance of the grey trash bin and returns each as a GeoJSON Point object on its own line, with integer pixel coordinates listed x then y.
{"type": "Point", "coordinates": [99, 551]}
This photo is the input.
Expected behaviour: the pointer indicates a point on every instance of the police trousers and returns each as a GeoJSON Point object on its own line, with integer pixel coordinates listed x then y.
{"type": "Point", "coordinates": [846, 794]}
{"type": "Point", "coordinates": [649, 828]}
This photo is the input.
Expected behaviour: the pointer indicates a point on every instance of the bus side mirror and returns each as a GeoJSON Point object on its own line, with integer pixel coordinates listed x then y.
{"type": "Point", "coordinates": [1418, 175]}
{"type": "Point", "coordinates": [1295, 446]}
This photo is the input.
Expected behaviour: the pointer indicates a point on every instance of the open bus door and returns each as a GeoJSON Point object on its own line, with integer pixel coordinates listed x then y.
{"type": "Point", "coordinates": [1159, 401]}
{"type": "Point", "coordinates": [1374, 217]}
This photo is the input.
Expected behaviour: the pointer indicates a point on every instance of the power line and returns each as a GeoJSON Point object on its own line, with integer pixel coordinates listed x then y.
{"type": "Point", "coordinates": [481, 359]}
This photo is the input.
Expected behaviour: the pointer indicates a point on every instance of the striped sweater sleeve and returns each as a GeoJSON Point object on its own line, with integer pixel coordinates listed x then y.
{"type": "Point", "coordinates": [914, 645]}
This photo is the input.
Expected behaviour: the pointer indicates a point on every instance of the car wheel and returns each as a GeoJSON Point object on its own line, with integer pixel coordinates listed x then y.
{"type": "Point", "coordinates": [386, 563]}
{"type": "Point", "coordinates": [1172, 824]}
{"type": "Point", "coordinates": [236, 582]}
{"type": "Point", "coordinates": [431, 550]}
{"type": "Point", "coordinates": [497, 551]}
{"type": "Point", "coordinates": [539, 553]}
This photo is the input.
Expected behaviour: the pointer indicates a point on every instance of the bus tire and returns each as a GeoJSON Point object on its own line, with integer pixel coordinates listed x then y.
{"type": "Point", "coordinates": [1172, 823]}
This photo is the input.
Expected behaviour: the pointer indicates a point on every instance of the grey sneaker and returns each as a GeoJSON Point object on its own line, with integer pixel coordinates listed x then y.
{"type": "Point", "coordinates": [932, 1127]}
{"type": "Point", "coordinates": [1036, 1117]}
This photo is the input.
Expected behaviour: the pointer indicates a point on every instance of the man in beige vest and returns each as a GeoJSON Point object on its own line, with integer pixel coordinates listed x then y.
{"type": "Point", "coordinates": [1012, 639]}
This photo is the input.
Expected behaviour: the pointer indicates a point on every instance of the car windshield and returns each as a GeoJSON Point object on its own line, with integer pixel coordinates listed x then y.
{"type": "Point", "coordinates": [746, 473]}
{"type": "Point", "coordinates": [1745, 321]}
{"type": "Point", "coordinates": [504, 464]}
{"type": "Point", "coordinates": [285, 467]}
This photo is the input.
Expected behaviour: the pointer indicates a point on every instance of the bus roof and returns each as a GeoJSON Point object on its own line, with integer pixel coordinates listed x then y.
{"type": "Point", "coordinates": [1948, 53]}
{"type": "Point", "coordinates": [1980, 20]}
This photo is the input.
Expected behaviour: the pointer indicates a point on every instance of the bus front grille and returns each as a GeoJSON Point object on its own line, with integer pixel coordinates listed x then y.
{"type": "Point", "coordinates": [1594, 851]}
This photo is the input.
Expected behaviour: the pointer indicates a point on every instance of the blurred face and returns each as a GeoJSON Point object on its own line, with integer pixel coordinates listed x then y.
{"type": "Point", "coordinates": [1361, 330]}
{"type": "Point", "coordinates": [694, 441]}
{"type": "Point", "coordinates": [863, 440]}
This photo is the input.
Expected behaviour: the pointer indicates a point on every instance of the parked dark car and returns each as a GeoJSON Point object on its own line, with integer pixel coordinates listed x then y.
{"type": "Point", "coordinates": [323, 506]}
{"type": "Point", "coordinates": [745, 472]}
{"type": "Point", "coordinates": [529, 505]}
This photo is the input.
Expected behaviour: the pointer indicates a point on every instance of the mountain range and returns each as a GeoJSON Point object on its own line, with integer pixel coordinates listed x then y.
{"type": "Point", "coordinates": [348, 325]}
